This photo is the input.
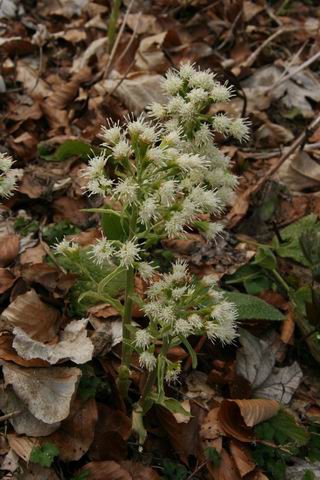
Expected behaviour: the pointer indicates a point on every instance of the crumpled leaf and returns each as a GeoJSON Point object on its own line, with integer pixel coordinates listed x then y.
{"type": "Point", "coordinates": [300, 172]}
{"type": "Point", "coordinates": [237, 417]}
{"type": "Point", "coordinates": [24, 422]}
{"type": "Point", "coordinates": [292, 94]}
{"type": "Point", "coordinates": [74, 345]}
{"type": "Point", "coordinates": [33, 316]}
{"type": "Point", "coordinates": [46, 391]}
{"type": "Point", "coordinates": [8, 353]}
{"type": "Point", "coordinates": [255, 362]}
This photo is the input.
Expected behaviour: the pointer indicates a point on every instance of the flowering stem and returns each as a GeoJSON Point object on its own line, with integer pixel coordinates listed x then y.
{"type": "Point", "coordinates": [124, 372]}
{"type": "Point", "coordinates": [123, 380]}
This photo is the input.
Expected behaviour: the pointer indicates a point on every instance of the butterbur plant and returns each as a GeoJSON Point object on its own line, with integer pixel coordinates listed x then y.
{"type": "Point", "coordinates": [168, 177]}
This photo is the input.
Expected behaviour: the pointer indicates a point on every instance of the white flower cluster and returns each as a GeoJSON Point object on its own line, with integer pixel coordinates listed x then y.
{"type": "Point", "coordinates": [178, 306]}
{"type": "Point", "coordinates": [8, 176]}
{"type": "Point", "coordinates": [171, 173]}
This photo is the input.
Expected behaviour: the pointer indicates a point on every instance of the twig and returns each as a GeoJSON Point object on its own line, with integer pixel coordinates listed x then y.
{"type": "Point", "coordinates": [133, 36]}
{"type": "Point", "coordinates": [254, 55]}
{"type": "Point", "coordinates": [3, 418]}
{"type": "Point", "coordinates": [294, 146]}
{"type": "Point", "coordinates": [230, 32]}
{"type": "Point", "coordinates": [117, 41]}
{"type": "Point", "coordinates": [121, 80]}
{"type": "Point", "coordinates": [294, 72]}
{"type": "Point", "coordinates": [197, 470]}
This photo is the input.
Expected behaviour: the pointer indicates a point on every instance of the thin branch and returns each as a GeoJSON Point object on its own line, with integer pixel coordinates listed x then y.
{"type": "Point", "coordinates": [117, 41]}
{"type": "Point", "coordinates": [254, 55]}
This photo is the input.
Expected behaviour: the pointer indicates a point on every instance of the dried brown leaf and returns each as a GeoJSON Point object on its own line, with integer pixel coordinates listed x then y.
{"type": "Point", "coordinates": [106, 470]}
{"type": "Point", "coordinates": [7, 279]}
{"type": "Point", "coordinates": [237, 417]}
{"type": "Point", "coordinates": [76, 433]}
{"type": "Point", "coordinates": [39, 320]}
{"type": "Point", "coordinates": [9, 248]}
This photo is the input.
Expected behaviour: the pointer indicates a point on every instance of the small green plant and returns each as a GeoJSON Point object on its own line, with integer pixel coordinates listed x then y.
{"type": "Point", "coordinates": [44, 455]}
{"type": "Point", "coordinates": [169, 177]}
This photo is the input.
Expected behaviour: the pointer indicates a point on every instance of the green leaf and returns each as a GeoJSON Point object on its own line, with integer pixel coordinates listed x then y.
{"type": "Point", "coordinates": [191, 352]}
{"type": "Point", "coordinates": [265, 258]}
{"type": "Point", "coordinates": [113, 226]}
{"type": "Point", "coordinates": [309, 475]}
{"type": "Point", "coordinates": [252, 308]}
{"type": "Point", "coordinates": [291, 247]}
{"type": "Point", "coordinates": [67, 149]}
{"type": "Point", "coordinates": [173, 406]}
{"type": "Point", "coordinates": [213, 455]}
{"type": "Point", "coordinates": [44, 455]}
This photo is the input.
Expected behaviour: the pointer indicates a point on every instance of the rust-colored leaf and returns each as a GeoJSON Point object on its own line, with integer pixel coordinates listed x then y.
{"type": "Point", "coordinates": [226, 470]}
{"type": "Point", "coordinates": [31, 314]}
{"type": "Point", "coordinates": [9, 248]}
{"type": "Point", "coordinates": [242, 458]}
{"type": "Point", "coordinates": [7, 279]}
{"type": "Point", "coordinates": [114, 428]}
{"type": "Point", "coordinates": [76, 433]}
{"type": "Point", "coordinates": [237, 417]}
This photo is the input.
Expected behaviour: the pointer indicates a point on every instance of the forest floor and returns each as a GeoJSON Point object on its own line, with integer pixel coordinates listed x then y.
{"type": "Point", "coordinates": [58, 84]}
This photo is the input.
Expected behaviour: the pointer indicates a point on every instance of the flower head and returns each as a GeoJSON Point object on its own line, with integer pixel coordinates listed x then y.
{"type": "Point", "coordinates": [146, 270]}
{"type": "Point", "coordinates": [126, 191]}
{"type": "Point", "coordinates": [111, 135]}
{"type": "Point", "coordinates": [128, 253]}
{"type": "Point", "coordinates": [147, 360]}
{"type": "Point", "coordinates": [65, 247]}
{"type": "Point", "coordinates": [102, 252]}
{"type": "Point", "coordinates": [142, 338]}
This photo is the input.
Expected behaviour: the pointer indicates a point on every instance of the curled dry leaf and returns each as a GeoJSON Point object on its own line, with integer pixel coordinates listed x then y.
{"type": "Point", "coordinates": [237, 417]}
{"type": "Point", "coordinates": [23, 422]}
{"type": "Point", "coordinates": [8, 353]}
{"type": "Point", "coordinates": [33, 316]}
{"type": "Point", "coordinates": [76, 433]}
{"type": "Point", "coordinates": [46, 391]}
{"type": "Point", "coordinates": [9, 248]}
{"type": "Point", "coordinates": [74, 345]}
